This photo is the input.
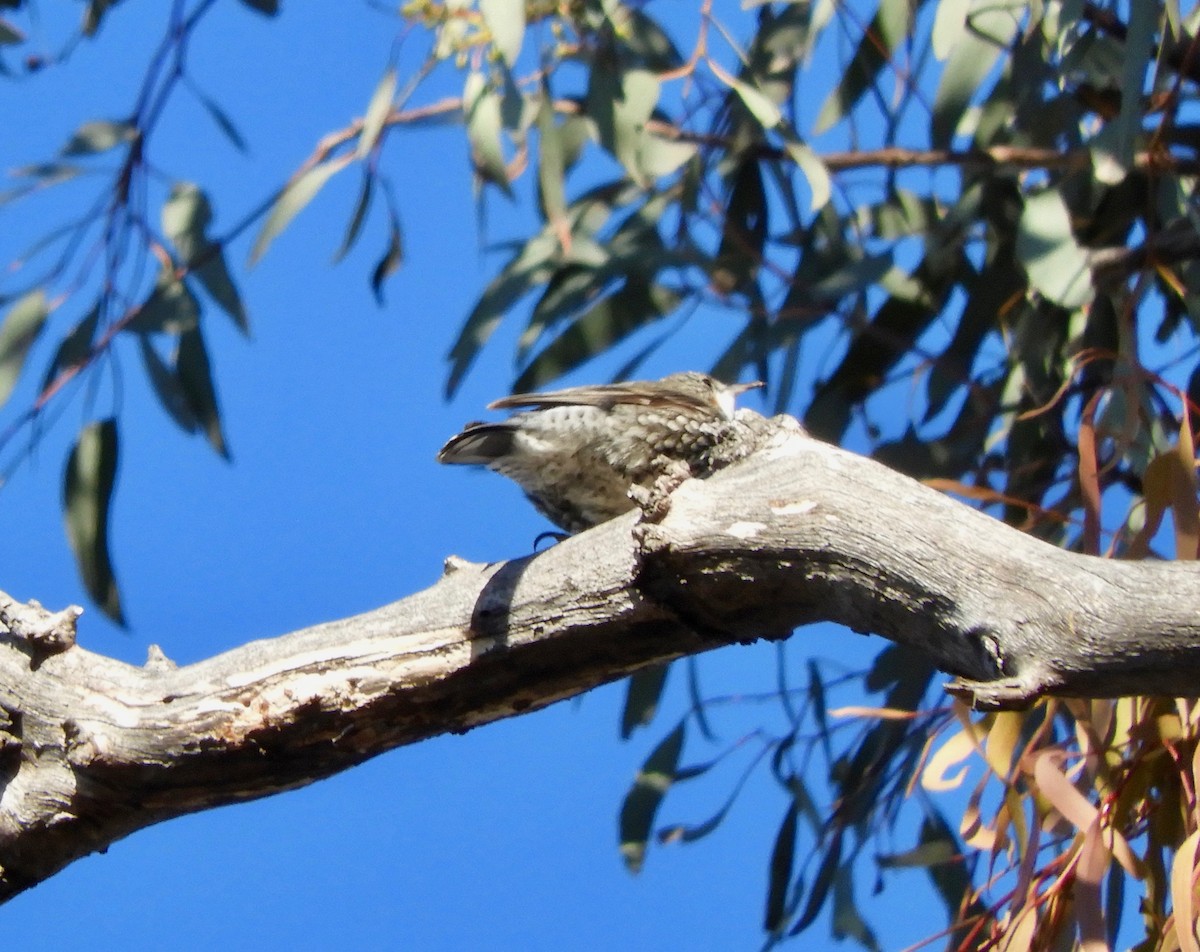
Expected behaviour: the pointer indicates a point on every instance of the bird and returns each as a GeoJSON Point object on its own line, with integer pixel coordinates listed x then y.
{"type": "Point", "coordinates": [585, 455]}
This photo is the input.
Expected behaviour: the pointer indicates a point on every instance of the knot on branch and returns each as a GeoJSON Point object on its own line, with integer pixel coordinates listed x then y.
{"type": "Point", "coordinates": [46, 631]}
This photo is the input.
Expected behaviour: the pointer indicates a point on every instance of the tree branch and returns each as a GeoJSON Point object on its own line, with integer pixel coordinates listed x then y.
{"type": "Point", "coordinates": [92, 749]}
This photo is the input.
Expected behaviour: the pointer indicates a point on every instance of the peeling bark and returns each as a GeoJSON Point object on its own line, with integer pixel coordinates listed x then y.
{"type": "Point", "coordinates": [92, 749]}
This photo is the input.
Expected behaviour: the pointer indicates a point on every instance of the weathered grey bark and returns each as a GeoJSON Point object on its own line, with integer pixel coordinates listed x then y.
{"type": "Point", "coordinates": [92, 749]}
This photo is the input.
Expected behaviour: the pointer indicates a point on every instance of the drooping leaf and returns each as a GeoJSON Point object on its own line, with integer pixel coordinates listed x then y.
{"type": "Point", "coordinates": [779, 876]}
{"type": "Point", "coordinates": [645, 797]}
{"type": "Point", "coordinates": [87, 494]}
{"type": "Point", "coordinates": [505, 20]}
{"type": "Point", "coordinates": [377, 113]}
{"type": "Point", "coordinates": [897, 323]}
{"type": "Point", "coordinates": [761, 106]}
{"type": "Point", "coordinates": [186, 216]}
{"type": "Point", "coordinates": [642, 693]}
{"type": "Point", "coordinates": [819, 891]}
{"type": "Point", "coordinates": [167, 386]}
{"type": "Point", "coordinates": [949, 24]}
{"type": "Point", "coordinates": [214, 275]}
{"type": "Point", "coordinates": [361, 207]}
{"type": "Point", "coordinates": [267, 7]}
{"type": "Point", "coordinates": [645, 42]}
{"type": "Point", "coordinates": [94, 14]}
{"type": "Point", "coordinates": [21, 326]}
{"type": "Point", "coordinates": [879, 38]}
{"type": "Point", "coordinates": [530, 266]}
{"type": "Point", "coordinates": [74, 347]}
{"type": "Point", "coordinates": [9, 34]}
{"type": "Point", "coordinates": [744, 233]}
{"type": "Point", "coordinates": [847, 920]}
{"type": "Point", "coordinates": [659, 157]}
{"type": "Point", "coordinates": [1115, 149]}
{"type": "Point", "coordinates": [971, 59]}
{"type": "Point", "coordinates": [99, 135]}
{"type": "Point", "coordinates": [609, 320]}
{"type": "Point", "coordinates": [195, 378]}
{"type": "Point", "coordinates": [222, 121]}
{"type": "Point", "coordinates": [551, 165]}
{"type": "Point", "coordinates": [393, 255]}
{"type": "Point", "coordinates": [621, 102]}
{"type": "Point", "coordinates": [481, 106]}
{"type": "Point", "coordinates": [820, 185]}
{"type": "Point", "coordinates": [46, 175]}
{"type": "Point", "coordinates": [1057, 266]}
{"type": "Point", "coordinates": [171, 308]}
{"type": "Point", "coordinates": [298, 193]}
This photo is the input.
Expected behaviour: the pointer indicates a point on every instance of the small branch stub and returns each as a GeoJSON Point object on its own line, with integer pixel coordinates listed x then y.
{"type": "Point", "coordinates": [48, 632]}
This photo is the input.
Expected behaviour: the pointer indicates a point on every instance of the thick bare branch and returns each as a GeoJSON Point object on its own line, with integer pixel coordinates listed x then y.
{"type": "Point", "coordinates": [92, 749]}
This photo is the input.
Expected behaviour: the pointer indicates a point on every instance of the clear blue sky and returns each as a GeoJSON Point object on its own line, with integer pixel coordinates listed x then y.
{"type": "Point", "coordinates": [501, 839]}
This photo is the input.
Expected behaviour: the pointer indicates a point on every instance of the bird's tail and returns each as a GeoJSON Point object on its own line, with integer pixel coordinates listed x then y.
{"type": "Point", "coordinates": [479, 444]}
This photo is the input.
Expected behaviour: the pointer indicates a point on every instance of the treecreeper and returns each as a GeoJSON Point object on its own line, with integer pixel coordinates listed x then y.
{"type": "Point", "coordinates": [585, 455]}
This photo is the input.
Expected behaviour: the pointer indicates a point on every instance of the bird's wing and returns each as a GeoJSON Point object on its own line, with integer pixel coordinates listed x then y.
{"type": "Point", "coordinates": [638, 393]}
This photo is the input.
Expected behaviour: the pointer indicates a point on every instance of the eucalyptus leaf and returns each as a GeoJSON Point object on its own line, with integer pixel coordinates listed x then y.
{"type": "Point", "coordinates": [298, 193]}
{"type": "Point", "coordinates": [20, 328]}
{"type": "Point", "coordinates": [87, 495]}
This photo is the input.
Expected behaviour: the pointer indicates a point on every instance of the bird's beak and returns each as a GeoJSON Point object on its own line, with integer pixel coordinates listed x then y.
{"type": "Point", "coordinates": [726, 397]}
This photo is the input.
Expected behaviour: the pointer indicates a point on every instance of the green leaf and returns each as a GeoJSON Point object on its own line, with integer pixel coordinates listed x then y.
{"type": "Point", "coordinates": [87, 493]}
{"type": "Point", "coordinates": [267, 7]}
{"type": "Point", "coordinates": [1113, 163]}
{"type": "Point", "coordinates": [195, 378]}
{"type": "Point", "coordinates": [819, 892]}
{"type": "Point", "coordinates": [879, 38]}
{"type": "Point", "coordinates": [171, 308]}
{"type": "Point", "coordinates": [74, 348]}
{"type": "Point", "coordinates": [760, 105]}
{"type": "Point", "coordinates": [361, 207]}
{"type": "Point", "coordinates": [9, 34]}
{"type": "Point", "coordinates": [621, 103]}
{"type": "Point", "coordinates": [391, 260]}
{"type": "Point", "coordinates": [745, 229]}
{"type": "Point", "coordinates": [783, 856]}
{"type": "Point", "coordinates": [972, 58]}
{"type": "Point", "coordinates": [186, 215]}
{"type": "Point", "coordinates": [222, 121]}
{"type": "Point", "coordinates": [378, 110]}
{"type": "Point", "coordinates": [298, 193]}
{"type": "Point", "coordinates": [659, 157]}
{"type": "Point", "coordinates": [20, 329]}
{"type": "Point", "coordinates": [949, 24]}
{"type": "Point", "coordinates": [505, 20]}
{"type": "Point", "coordinates": [528, 267]}
{"type": "Point", "coordinates": [645, 797]}
{"type": "Point", "coordinates": [46, 174]}
{"type": "Point", "coordinates": [609, 320]}
{"type": "Point", "coordinates": [99, 136]}
{"type": "Point", "coordinates": [167, 386]}
{"type": "Point", "coordinates": [215, 277]}
{"type": "Point", "coordinates": [643, 691]}
{"type": "Point", "coordinates": [482, 111]}
{"type": "Point", "coordinates": [94, 14]}
{"type": "Point", "coordinates": [1057, 266]}
{"type": "Point", "coordinates": [646, 42]}
{"type": "Point", "coordinates": [815, 172]}
{"type": "Point", "coordinates": [847, 920]}
{"type": "Point", "coordinates": [551, 164]}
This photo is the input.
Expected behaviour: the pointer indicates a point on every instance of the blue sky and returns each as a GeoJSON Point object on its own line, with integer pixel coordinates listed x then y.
{"type": "Point", "coordinates": [501, 839]}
